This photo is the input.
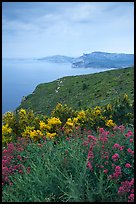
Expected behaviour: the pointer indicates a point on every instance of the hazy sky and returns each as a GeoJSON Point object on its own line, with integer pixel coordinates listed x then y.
{"type": "Point", "coordinates": [38, 29]}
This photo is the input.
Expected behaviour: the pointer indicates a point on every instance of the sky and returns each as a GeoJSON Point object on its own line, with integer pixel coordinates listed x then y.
{"type": "Point", "coordinates": [39, 29]}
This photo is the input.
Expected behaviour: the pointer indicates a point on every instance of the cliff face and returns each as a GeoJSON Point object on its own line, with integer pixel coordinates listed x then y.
{"type": "Point", "coordinates": [104, 60]}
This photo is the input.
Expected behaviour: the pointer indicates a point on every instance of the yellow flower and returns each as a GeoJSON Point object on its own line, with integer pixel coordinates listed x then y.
{"type": "Point", "coordinates": [6, 130]}
{"type": "Point", "coordinates": [36, 134]}
{"type": "Point", "coordinates": [50, 135]}
{"type": "Point", "coordinates": [43, 126]}
{"type": "Point", "coordinates": [81, 115]}
{"type": "Point", "coordinates": [75, 120]}
{"type": "Point", "coordinates": [8, 118]}
{"type": "Point", "coordinates": [27, 131]}
{"type": "Point", "coordinates": [110, 123]}
{"type": "Point", "coordinates": [54, 121]}
{"type": "Point", "coordinates": [22, 112]}
{"type": "Point", "coordinates": [97, 111]}
{"type": "Point", "coordinates": [69, 122]}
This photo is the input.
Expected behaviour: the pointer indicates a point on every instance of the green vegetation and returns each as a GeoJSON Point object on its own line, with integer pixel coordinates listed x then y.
{"type": "Point", "coordinates": [73, 153]}
{"type": "Point", "coordinates": [81, 92]}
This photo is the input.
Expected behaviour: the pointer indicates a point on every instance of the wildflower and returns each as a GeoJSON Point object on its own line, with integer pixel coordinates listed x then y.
{"type": "Point", "coordinates": [91, 137]}
{"type": "Point", "coordinates": [129, 150]}
{"type": "Point", "coordinates": [101, 130]}
{"type": "Point", "coordinates": [105, 171]}
{"type": "Point", "coordinates": [19, 157]}
{"type": "Point", "coordinates": [110, 123]}
{"type": "Point", "coordinates": [43, 126]}
{"type": "Point", "coordinates": [115, 157]}
{"type": "Point", "coordinates": [131, 198]}
{"type": "Point", "coordinates": [81, 115]}
{"type": "Point", "coordinates": [117, 169]}
{"type": "Point", "coordinates": [50, 135]}
{"type": "Point", "coordinates": [121, 128]}
{"type": "Point", "coordinates": [131, 140]}
{"type": "Point", "coordinates": [54, 121]}
{"type": "Point", "coordinates": [117, 172]}
{"type": "Point", "coordinates": [116, 145]}
{"type": "Point", "coordinates": [129, 134]}
{"type": "Point", "coordinates": [127, 165]}
{"type": "Point", "coordinates": [89, 166]}
{"type": "Point", "coordinates": [121, 148]}
{"type": "Point", "coordinates": [90, 155]}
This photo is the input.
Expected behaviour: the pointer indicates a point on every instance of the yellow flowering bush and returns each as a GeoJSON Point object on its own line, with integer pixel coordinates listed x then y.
{"type": "Point", "coordinates": [96, 111]}
{"type": "Point", "coordinates": [6, 134]}
{"type": "Point", "coordinates": [8, 118]}
{"type": "Point", "coordinates": [51, 135]}
{"type": "Point", "coordinates": [63, 112]}
{"type": "Point", "coordinates": [44, 126]}
{"type": "Point", "coordinates": [81, 115]}
{"type": "Point", "coordinates": [27, 131]}
{"type": "Point", "coordinates": [36, 135]}
{"type": "Point", "coordinates": [71, 124]}
{"type": "Point", "coordinates": [110, 123]}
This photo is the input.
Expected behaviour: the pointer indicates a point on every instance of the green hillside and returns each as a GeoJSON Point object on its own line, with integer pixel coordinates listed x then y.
{"type": "Point", "coordinates": [81, 92]}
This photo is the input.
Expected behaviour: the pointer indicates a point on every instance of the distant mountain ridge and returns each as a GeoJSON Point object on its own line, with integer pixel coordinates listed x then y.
{"type": "Point", "coordinates": [94, 60]}
{"type": "Point", "coordinates": [58, 59]}
{"type": "Point", "coordinates": [104, 60]}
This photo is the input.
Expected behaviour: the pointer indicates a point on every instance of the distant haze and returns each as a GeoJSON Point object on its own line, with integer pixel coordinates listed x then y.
{"type": "Point", "coordinates": [39, 29]}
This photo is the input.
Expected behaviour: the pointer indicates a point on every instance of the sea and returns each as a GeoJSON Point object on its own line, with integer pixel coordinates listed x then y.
{"type": "Point", "coordinates": [21, 76]}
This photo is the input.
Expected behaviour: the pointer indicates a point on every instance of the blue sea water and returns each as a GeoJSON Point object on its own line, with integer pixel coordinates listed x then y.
{"type": "Point", "coordinates": [20, 78]}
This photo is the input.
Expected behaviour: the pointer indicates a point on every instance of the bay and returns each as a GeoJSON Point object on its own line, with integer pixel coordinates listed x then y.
{"type": "Point", "coordinates": [20, 78]}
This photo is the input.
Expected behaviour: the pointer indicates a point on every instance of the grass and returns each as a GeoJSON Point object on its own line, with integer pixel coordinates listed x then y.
{"type": "Point", "coordinates": [81, 92]}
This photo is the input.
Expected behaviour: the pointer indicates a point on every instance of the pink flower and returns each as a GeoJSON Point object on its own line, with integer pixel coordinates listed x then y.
{"type": "Point", "coordinates": [127, 165]}
{"type": "Point", "coordinates": [117, 169]}
{"type": "Point", "coordinates": [89, 166]}
{"type": "Point", "coordinates": [121, 148]}
{"type": "Point", "coordinates": [91, 137]}
{"type": "Point", "coordinates": [101, 130]}
{"type": "Point", "coordinates": [85, 143]}
{"type": "Point", "coordinates": [105, 171]}
{"type": "Point", "coordinates": [129, 150]}
{"type": "Point", "coordinates": [116, 145]}
{"type": "Point", "coordinates": [113, 165]}
{"type": "Point", "coordinates": [121, 128]}
{"type": "Point", "coordinates": [115, 157]}
{"type": "Point", "coordinates": [131, 197]}
{"type": "Point", "coordinates": [90, 155]}
{"type": "Point", "coordinates": [131, 140]}
{"type": "Point", "coordinates": [19, 157]}
{"type": "Point", "coordinates": [129, 134]}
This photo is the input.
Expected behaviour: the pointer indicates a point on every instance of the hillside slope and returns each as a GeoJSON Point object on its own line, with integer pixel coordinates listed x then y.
{"type": "Point", "coordinates": [81, 91]}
